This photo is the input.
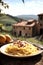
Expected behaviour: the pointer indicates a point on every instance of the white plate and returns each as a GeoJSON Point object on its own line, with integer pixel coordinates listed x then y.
{"type": "Point", "coordinates": [3, 48]}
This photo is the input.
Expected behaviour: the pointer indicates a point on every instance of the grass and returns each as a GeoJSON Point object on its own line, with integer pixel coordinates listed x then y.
{"type": "Point", "coordinates": [6, 19]}
{"type": "Point", "coordinates": [8, 28]}
{"type": "Point", "coordinates": [32, 39]}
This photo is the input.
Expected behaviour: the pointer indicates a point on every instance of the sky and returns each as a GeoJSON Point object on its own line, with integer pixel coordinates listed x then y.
{"type": "Point", "coordinates": [29, 7]}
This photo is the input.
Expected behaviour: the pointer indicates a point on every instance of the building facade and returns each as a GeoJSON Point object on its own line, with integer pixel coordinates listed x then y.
{"type": "Point", "coordinates": [40, 19]}
{"type": "Point", "coordinates": [29, 28]}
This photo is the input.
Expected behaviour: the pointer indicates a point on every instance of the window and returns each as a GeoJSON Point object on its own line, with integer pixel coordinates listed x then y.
{"type": "Point", "coordinates": [14, 27]}
{"type": "Point", "coordinates": [40, 24]}
{"type": "Point", "coordinates": [40, 17]}
{"type": "Point", "coordinates": [24, 28]}
{"type": "Point", "coordinates": [26, 34]}
{"type": "Point", "coordinates": [30, 22]}
{"type": "Point", "coordinates": [14, 33]}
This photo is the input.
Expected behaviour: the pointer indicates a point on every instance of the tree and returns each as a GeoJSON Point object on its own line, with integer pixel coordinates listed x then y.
{"type": "Point", "coordinates": [23, 1]}
{"type": "Point", "coordinates": [5, 5]}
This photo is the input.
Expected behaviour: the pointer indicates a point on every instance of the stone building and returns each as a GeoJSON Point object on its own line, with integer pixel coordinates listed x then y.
{"type": "Point", "coordinates": [29, 28]}
{"type": "Point", "coordinates": [40, 27]}
{"type": "Point", "coordinates": [24, 28]}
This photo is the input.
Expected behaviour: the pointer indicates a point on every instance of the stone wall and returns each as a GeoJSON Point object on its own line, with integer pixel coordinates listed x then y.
{"type": "Point", "coordinates": [23, 31]}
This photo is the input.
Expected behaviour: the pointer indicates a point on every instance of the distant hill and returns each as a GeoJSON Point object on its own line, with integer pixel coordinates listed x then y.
{"type": "Point", "coordinates": [27, 17]}
{"type": "Point", "coordinates": [8, 19]}
{"type": "Point", "coordinates": [14, 17]}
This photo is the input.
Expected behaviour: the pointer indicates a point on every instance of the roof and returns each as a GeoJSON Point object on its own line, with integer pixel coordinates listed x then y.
{"type": "Point", "coordinates": [31, 20]}
{"type": "Point", "coordinates": [40, 14]}
{"type": "Point", "coordinates": [29, 23]}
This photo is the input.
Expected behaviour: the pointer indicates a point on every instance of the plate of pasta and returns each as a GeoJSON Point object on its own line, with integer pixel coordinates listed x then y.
{"type": "Point", "coordinates": [20, 49]}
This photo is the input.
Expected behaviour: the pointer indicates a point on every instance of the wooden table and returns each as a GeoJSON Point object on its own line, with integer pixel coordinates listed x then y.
{"type": "Point", "coordinates": [36, 60]}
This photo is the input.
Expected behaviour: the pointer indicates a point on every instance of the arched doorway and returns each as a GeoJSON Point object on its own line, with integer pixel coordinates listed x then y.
{"type": "Point", "coordinates": [20, 33]}
{"type": "Point", "coordinates": [41, 31]}
{"type": "Point", "coordinates": [15, 33]}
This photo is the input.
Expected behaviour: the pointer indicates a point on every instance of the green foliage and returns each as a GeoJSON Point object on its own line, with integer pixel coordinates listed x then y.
{"type": "Point", "coordinates": [4, 19]}
{"type": "Point", "coordinates": [5, 5]}
{"type": "Point", "coordinates": [1, 25]}
{"type": "Point", "coordinates": [32, 40]}
{"type": "Point", "coordinates": [7, 28]}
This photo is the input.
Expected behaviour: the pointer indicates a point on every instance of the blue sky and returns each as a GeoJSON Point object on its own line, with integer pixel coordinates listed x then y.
{"type": "Point", "coordinates": [16, 7]}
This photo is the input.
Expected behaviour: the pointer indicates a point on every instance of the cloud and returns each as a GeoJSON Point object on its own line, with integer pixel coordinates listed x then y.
{"type": "Point", "coordinates": [34, 7]}
{"type": "Point", "coordinates": [29, 7]}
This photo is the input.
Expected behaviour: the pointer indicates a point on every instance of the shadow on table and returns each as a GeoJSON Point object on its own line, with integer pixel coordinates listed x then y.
{"type": "Point", "coordinates": [5, 60]}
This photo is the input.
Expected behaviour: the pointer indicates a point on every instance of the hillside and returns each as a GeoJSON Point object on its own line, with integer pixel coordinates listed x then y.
{"type": "Point", "coordinates": [8, 19]}
{"type": "Point", "coordinates": [27, 17]}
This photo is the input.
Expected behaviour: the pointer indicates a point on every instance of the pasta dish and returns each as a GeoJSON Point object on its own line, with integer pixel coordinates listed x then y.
{"type": "Point", "coordinates": [21, 48]}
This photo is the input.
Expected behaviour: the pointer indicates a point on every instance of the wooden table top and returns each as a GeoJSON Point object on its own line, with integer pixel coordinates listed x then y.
{"type": "Point", "coordinates": [35, 60]}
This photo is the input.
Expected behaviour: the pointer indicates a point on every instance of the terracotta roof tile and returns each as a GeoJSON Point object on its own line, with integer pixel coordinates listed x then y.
{"type": "Point", "coordinates": [25, 23]}
{"type": "Point", "coordinates": [40, 14]}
